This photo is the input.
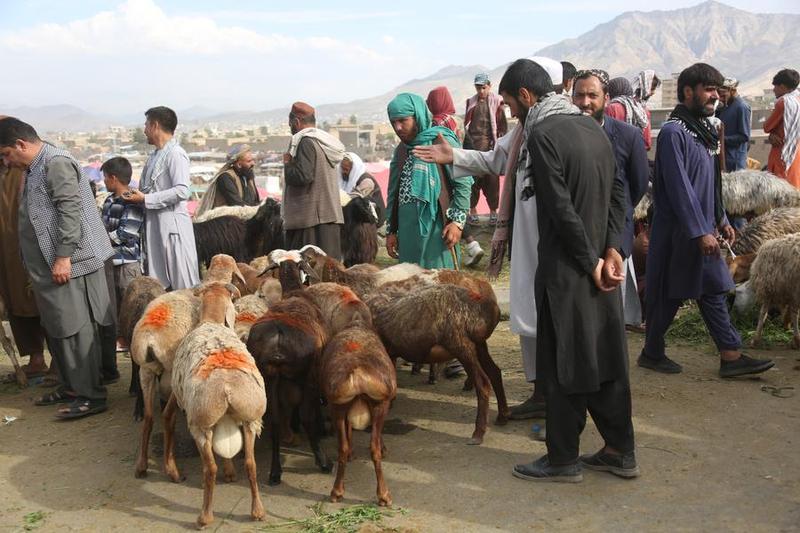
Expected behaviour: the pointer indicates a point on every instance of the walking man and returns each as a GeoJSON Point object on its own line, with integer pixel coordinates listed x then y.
{"type": "Point", "coordinates": [683, 261]}
{"type": "Point", "coordinates": [64, 246]}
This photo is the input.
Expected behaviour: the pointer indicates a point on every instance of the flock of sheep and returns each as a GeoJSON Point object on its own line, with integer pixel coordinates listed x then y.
{"type": "Point", "coordinates": [287, 331]}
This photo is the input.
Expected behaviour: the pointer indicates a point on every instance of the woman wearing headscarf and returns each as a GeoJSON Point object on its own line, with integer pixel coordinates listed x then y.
{"type": "Point", "coordinates": [623, 106]}
{"type": "Point", "coordinates": [426, 207]}
{"type": "Point", "coordinates": [354, 180]}
{"type": "Point", "coordinates": [440, 103]}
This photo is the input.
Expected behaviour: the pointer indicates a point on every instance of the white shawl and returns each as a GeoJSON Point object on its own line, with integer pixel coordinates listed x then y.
{"type": "Point", "coordinates": [331, 146]}
{"type": "Point", "coordinates": [356, 171]}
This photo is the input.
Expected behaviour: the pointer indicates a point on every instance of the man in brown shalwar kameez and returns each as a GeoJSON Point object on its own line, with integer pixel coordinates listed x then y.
{"type": "Point", "coordinates": [15, 286]}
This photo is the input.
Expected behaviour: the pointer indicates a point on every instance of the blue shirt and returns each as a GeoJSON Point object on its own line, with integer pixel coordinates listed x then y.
{"type": "Point", "coordinates": [736, 117]}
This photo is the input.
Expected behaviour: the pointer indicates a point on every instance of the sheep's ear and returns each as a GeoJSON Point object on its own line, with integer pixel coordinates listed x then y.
{"type": "Point", "coordinates": [238, 274]}
{"type": "Point", "coordinates": [310, 272]}
{"type": "Point", "coordinates": [230, 315]}
{"type": "Point", "coordinates": [233, 290]}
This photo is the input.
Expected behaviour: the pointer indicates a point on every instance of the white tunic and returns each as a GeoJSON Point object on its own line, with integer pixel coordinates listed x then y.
{"type": "Point", "coordinates": [525, 237]}
{"type": "Point", "coordinates": [169, 244]}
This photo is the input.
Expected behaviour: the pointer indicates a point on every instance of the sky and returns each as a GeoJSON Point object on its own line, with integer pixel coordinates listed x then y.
{"type": "Point", "coordinates": [122, 56]}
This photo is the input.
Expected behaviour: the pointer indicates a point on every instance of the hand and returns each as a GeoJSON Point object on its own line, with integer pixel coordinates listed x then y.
{"type": "Point", "coordinates": [613, 269]}
{"type": "Point", "coordinates": [728, 233]}
{"type": "Point", "coordinates": [708, 245]}
{"type": "Point", "coordinates": [133, 196]}
{"type": "Point", "coordinates": [451, 235]}
{"type": "Point", "coordinates": [597, 277]}
{"type": "Point", "coordinates": [441, 152]}
{"type": "Point", "coordinates": [287, 159]}
{"type": "Point", "coordinates": [391, 245]}
{"type": "Point", "coordinates": [62, 268]}
{"type": "Point", "coordinates": [775, 140]}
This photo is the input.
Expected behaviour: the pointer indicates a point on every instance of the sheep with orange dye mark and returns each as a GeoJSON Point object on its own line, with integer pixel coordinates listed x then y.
{"type": "Point", "coordinates": [248, 309]}
{"type": "Point", "coordinates": [436, 323]}
{"type": "Point", "coordinates": [166, 321]}
{"type": "Point", "coordinates": [217, 383]}
{"type": "Point", "coordinates": [358, 380]}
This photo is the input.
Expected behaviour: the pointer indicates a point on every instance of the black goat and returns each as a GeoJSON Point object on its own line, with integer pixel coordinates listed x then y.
{"type": "Point", "coordinates": [359, 233]}
{"type": "Point", "coordinates": [241, 239]}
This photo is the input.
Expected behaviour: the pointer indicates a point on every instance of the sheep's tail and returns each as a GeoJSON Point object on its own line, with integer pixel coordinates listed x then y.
{"type": "Point", "coordinates": [359, 414]}
{"type": "Point", "coordinates": [227, 438]}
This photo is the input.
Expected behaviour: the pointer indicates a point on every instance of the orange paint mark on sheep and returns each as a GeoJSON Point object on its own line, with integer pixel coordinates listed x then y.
{"type": "Point", "coordinates": [246, 317]}
{"type": "Point", "coordinates": [352, 346]}
{"type": "Point", "coordinates": [227, 359]}
{"type": "Point", "coordinates": [291, 321]}
{"type": "Point", "coordinates": [348, 297]}
{"type": "Point", "coordinates": [475, 296]}
{"type": "Point", "coordinates": [158, 316]}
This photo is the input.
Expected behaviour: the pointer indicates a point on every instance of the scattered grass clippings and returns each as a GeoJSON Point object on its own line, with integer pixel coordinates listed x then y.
{"type": "Point", "coordinates": [33, 520]}
{"type": "Point", "coordinates": [688, 328]}
{"type": "Point", "coordinates": [347, 520]}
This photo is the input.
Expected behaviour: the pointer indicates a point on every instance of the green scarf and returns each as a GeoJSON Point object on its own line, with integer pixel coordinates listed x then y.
{"type": "Point", "coordinates": [425, 182]}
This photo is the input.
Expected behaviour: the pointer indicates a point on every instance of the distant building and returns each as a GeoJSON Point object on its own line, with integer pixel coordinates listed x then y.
{"type": "Point", "coordinates": [669, 91]}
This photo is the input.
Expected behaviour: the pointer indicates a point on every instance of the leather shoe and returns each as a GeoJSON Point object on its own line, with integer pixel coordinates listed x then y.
{"type": "Point", "coordinates": [542, 470]}
{"type": "Point", "coordinates": [620, 465]}
{"type": "Point", "coordinates": [665, 365]}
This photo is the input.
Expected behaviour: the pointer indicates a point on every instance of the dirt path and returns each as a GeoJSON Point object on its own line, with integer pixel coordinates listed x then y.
{"type": "Point", "coordinates": [715, 455]}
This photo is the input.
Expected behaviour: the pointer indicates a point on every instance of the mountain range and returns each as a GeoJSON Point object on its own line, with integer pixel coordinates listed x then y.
{"type": "Point", "coordinates": [748, 46]}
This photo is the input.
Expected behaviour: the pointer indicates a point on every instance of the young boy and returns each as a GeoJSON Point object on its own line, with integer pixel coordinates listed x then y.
{"type": "Point", "coordinates": [123, 221]}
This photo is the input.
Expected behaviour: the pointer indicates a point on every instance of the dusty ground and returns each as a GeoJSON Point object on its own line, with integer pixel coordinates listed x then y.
{"type": "Point", "coordinates": [715, 455]}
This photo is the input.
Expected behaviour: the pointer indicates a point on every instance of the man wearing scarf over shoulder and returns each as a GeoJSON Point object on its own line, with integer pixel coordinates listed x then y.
{"type": "Point", "coordinates": [684, 260]}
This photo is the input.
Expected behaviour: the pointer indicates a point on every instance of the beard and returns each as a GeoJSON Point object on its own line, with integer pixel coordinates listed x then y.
{"type": "Point", "coordinates": [247, 173]}
{"type": "Point", "coordinates": [699, 106]}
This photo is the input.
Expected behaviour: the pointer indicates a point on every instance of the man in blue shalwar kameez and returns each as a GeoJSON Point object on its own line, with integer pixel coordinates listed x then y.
{"type": "Point", "coordinates": [684, 260]}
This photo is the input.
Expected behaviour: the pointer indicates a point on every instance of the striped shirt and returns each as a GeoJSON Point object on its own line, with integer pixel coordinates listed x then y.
{"type": "Point", "coordinates": [123, 221]}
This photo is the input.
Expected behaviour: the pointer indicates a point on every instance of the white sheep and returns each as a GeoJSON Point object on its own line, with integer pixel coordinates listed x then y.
{"type": "Point", "coordinates": [775, 281]}
{"type": "Point", "coordinates": [249, 309]}
{"type": "Point", "coordinates": [166, 321]}
{"type": "Point", "coordinates": [245, 212]}
{"type": "Point", "coordinates": [756, 191]}
{"type": "Point", "coordinates": [217, 383]}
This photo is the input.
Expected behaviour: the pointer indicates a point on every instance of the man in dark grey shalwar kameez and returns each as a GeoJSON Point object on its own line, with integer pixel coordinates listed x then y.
{"type": "Point", "coordinates": [64, 245]}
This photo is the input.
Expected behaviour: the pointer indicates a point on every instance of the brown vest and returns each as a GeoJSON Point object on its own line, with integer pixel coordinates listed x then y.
{"type": "Point", "coordinates": [316, 203]}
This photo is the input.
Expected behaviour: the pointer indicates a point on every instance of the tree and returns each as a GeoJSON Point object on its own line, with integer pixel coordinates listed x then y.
{"type": "Point", "coordinates": [353, 119]}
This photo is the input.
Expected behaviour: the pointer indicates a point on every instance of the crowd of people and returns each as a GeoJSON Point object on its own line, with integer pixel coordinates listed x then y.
{"type": "Point", "coordinates": [575, 165]}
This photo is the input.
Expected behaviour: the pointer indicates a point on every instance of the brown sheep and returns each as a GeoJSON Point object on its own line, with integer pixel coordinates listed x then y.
{"type": "Point", "coordinates": [438, 323]}
{"type": "Point", "coordinates": [358, 380]}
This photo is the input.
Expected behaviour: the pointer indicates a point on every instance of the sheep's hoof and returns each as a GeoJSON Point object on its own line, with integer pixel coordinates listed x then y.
{"type": "Point", "coordinates": [432, 382]}
{"type": "Point", "coordinates": [258, 514]}
{"type": "Point", "coordinates": [326, 467]}
{"type": "Point", "coordinates": [175, 476]}
{"type": "Point", "coordinates": [229, 478]}
{"type": "Point", "coordinates": [475, 441]}
{"type": "Point", "coordinates": [468, 385]}
{"type": "Point", "coordinates": [274, 480]}
{"type": "Point", "coordinates": [501, 420]}
{"type": "Point", "coordinates": [203, 521]}
{"type": "Point", "coordinates": [385, 500]}
{"type": "Point", "coordinates": [336, 496]}
{"type": "Point", "coordinates": [140, 472]}
{"type": "Point", "coordinates": [795, 343]}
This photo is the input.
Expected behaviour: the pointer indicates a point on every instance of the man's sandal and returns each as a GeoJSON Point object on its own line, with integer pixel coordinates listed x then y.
{"type": "Point", "coordinates": [52, 398]}
{"type": "Point", "coordinates": [80, 408]}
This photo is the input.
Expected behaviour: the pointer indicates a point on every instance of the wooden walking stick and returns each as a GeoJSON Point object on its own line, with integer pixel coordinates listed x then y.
{"type": "Point", "coordinates": [8, 347]}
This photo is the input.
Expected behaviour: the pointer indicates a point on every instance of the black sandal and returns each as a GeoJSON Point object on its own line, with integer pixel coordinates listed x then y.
{"type": "Point", "coordinates": [80, 408]}
{"type": "Point", "coordinates": [52, 398]}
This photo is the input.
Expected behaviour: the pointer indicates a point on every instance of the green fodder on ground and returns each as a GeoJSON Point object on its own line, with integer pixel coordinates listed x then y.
{"type": "Point", "coordinates": [347, 520]}
{"type": "Point", "coordinates": [689, 328]}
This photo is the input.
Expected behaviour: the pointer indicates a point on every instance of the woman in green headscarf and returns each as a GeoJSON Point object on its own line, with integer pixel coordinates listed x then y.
{"type": "Point", "coordinates": [417, 229]}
